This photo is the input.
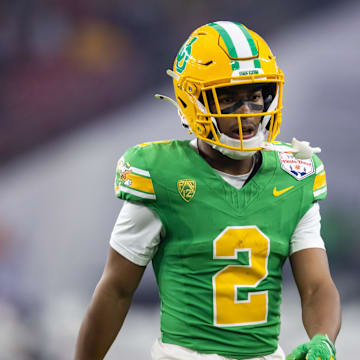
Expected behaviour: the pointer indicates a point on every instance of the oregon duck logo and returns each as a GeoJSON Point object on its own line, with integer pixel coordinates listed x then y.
{"type": "Point", "coordinates": [184, 55]}
{"type": "Point", "coordinates": [124, 169]}
{"type": "Point", "coordinates": [186, 188]}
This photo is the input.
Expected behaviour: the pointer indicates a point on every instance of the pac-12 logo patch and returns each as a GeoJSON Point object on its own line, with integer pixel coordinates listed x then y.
{"type": "Point", "coordinates": [186, 188]}
{"type": "Point", "coordinates": [299, 169]}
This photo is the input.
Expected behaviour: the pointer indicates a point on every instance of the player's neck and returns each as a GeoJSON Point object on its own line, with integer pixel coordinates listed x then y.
{"type": "Point", "coordinates": [223, 163]}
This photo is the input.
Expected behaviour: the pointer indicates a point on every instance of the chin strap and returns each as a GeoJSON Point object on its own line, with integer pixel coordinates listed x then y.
{"type": "Point", "coordinates": [300, 149]}
{"type": "Point", "coordinates": [180, 113]}
{"type": "Point", "coordinates": [170, 100]}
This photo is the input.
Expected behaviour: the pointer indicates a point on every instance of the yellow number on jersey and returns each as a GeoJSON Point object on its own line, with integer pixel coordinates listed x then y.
{"type": "Point", "coordinates": [228, 310]}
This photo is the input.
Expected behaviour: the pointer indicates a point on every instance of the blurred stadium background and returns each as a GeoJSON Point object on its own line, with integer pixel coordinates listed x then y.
{"type": "Point", "coordinates": [77, 82]}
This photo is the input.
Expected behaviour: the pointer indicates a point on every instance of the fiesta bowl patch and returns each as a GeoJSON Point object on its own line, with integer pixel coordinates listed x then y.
{"type": "Point", "coordinates": [299, 169]}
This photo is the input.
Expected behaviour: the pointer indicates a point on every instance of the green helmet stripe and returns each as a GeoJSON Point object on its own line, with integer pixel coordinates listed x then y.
{"type": "Point", "coordinates": [239, 43]}
{"type": "Point", "coordinates": [229, 44]}
{"type": "Point", "coordinates": [251, 42]}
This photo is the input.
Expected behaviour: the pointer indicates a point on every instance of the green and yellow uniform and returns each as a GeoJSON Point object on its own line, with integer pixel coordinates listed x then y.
{"type": "Point", "coordinates": [219, 263]}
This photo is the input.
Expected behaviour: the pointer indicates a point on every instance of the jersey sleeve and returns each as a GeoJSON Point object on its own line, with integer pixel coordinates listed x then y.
{"type": "Point", "coordinates": [133, 179]}
{"type": "Point", "coordinates": [307, 232]}
{"type": "Point", "coordinates": [136, 233]}
{"type": "Point", "coordinates": [319, 185]}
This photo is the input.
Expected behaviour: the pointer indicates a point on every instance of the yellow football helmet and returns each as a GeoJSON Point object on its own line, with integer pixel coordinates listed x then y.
{"type": "Point", "coordinates": [223, 54]}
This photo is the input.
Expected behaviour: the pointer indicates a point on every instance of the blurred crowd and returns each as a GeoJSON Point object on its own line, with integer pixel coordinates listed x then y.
{"type": "Point", "coordinates": [62, 62]}
{"type": "Point", "coordinates": [65, 62]}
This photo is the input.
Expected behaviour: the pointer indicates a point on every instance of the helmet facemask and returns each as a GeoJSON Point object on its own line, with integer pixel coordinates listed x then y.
{"type": "Point", "coordinates": [208, 113]}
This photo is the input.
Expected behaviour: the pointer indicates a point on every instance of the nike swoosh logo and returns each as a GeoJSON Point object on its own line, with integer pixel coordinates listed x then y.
{"type": "Point", "coordinates": [280, 192]}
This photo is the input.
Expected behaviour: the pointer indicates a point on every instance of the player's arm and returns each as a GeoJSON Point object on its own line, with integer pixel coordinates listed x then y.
{"type": "Point", "coordinates": [320, 302]}
{"type": "Point", "coordinates": [108, 308]}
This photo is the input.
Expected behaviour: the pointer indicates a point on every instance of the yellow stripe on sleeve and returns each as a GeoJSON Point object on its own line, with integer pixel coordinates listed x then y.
{"type": "Point", "coordinates": [320, 181]}
{"type": "Point", "coordinates": [141, 183]}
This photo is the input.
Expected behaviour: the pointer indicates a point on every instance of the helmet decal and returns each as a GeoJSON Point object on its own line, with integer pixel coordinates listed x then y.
{"type": "Point", "coordinates": [184, 55]}
{"type": "Point", "coordinates": [239, 44]}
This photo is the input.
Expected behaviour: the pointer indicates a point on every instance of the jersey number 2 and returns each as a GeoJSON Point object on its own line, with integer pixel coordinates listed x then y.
{"type": "Point", "coordinates": [228, 309]}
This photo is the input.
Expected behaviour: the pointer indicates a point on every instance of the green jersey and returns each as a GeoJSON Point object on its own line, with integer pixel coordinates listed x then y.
{"type": "Point", "coordinates": [219, 262]}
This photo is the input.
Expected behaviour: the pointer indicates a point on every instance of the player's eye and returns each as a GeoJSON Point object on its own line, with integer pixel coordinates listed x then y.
{"type": "Point", "coordinates": [228, 99]}
{"type": "Point", "coordinates": [256, 96]}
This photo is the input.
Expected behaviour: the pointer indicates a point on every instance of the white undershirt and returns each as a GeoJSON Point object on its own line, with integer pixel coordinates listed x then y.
{"type": "Point", "coordinates": [138, 230]}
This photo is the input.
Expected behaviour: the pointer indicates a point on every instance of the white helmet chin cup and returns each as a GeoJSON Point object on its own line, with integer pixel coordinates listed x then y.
{"type": "Point", "coordinates": [256, 141]}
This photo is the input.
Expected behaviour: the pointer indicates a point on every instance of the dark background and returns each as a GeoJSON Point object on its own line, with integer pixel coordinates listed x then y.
{"type": "Point", "coordinates": [77, 79]}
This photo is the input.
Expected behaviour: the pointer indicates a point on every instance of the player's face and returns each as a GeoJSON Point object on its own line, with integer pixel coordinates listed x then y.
{"type": "Point", "coordinates": [246, 100]}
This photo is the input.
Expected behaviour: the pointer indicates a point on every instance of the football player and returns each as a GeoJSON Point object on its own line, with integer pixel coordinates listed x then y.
{"type": "Point", "coordinates": [219, 215]}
